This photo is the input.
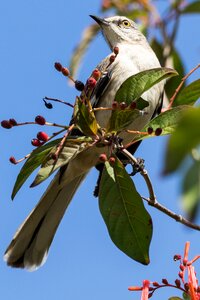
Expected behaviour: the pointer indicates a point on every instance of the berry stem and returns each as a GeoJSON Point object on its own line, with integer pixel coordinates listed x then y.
{"type": "Point", "coordinates": [61, 144]}
{"type": "Point", "coordinates": [58, 100]}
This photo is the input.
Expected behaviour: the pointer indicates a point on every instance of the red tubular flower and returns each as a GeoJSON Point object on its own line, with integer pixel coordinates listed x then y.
{"type": "Point", "coordinates": [145, 290]}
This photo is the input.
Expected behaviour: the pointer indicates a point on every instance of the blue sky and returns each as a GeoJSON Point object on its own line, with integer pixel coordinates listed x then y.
{"type": "Point", "coordinates": [83, 263]}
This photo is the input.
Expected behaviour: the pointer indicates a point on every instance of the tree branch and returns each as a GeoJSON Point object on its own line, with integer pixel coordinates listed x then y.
{"type": "Point", "coordinates": [152, 198]}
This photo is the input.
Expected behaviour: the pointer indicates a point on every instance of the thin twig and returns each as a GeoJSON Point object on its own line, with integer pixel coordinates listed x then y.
{"type": "Point", "coordinates": [152, 198]}
{"type": "Point", "coordinates": [144, 174]}
{"type": "Point", "coordinates": [171, 100]}
{"type": "Point", "coordinates": [171, 214]}
{"type": "Point", "coordinates": [58, 100]}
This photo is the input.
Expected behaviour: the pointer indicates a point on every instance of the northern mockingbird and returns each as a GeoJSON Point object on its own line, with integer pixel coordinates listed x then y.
{"type": "Point", "coordinates": [31, 242]}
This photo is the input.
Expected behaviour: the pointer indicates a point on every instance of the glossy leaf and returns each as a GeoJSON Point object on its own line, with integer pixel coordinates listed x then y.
{"type": "Point", "coordinates": [193, 7]}
{"type": "Point", "coordinates": [136, 85]}
{"type": "Point", "coordinates": [175, 298]}
{"type": "Point", "coordinates": [85, 119]}
{"type": "Point", "coordinates": [71, 148]}
{"type": "Point", "coordinates": [34, 161]}
{"type": "Point", "coordinates": [189, 95]}
{"type": "Point", "coordinates": [183, 140]}
{"type": "Point", "coordinates": [128, 223]}
{"type": "Point", "coordinates": [167, 121]}
{"type": "Point", "coordinates": [190, 198]}
{"type": "Point", "coordinates": [121, 119]}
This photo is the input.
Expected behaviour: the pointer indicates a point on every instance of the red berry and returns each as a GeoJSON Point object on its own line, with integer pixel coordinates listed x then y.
{"type": "Point", "coordinates": [65, 71]}
{"type": "Point", "coordinates": [115, 105]}
{"type": "Point", "coordinates": [116, 50]}
{"type": "Point", "coordinates": [103, 157]}
{"type": "Point", "coordinates": [91, 82]}
{"type": "Point", "coordinates": [13, 122]}
{"type": "Point", "coordinates": [36, 142]}
{"type": "Point", "coordinates": [112, 58]}
{"type": "Point", "coordinates": [164, 281]}
{"type": "Point", "coordinates": [58, 66]}
{"type": "Point", "coordinates": [96, 74]}
{"type": "Point", "coordinates": [112, 160]}
{"type": "Point", "coordinates": [180, 274]}
{"type": "Point", "coordinates": [40, 120]}
{"type": "Point", "coordinates": [123, 105]}
{"type": "Point", "coordinates": [42, 136]}
{"type": "Point", "coordinates": [158, 131]}
{"type": "Point", "coordinates": [79, 85]}
{"type": "Point", "coordinates": [13, 160]}
{"type": "Point", "coordinates": [178, 283]}
{"type": "Point", "coordinates": [155, 283]}
{"type": "Point", "coordinates": [6, 124]}
{"type": "Point", "coordinates": [133, 105]}
{"type": "Point", "coordinates": [186, 286]}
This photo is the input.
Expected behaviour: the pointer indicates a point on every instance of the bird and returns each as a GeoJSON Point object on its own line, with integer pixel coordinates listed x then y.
{"type": "Point", "coordinates": [30, 244]}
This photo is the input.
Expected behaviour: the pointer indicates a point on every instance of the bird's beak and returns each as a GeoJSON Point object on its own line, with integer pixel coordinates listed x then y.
{"type": "Point", "coordinates": [100, 21]}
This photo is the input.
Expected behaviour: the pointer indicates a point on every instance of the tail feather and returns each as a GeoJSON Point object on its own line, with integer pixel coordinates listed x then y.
{"type": "Point", "coordinates": [29, 247]}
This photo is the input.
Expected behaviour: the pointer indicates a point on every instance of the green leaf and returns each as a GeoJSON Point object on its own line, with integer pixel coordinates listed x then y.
{"type": "Point", "coordinates": [71, 149]}
{"type": "Point", "coordinates": [86, 120]}
{"type": "Point", "coordinates": [186, 296]}
{"type": "Point", "coordinates": [128, 223]}
{"type": "Point", "coordinates": [35, 160]}
{"type": "Point", "coordinates": [191, 190]}
{"type": "Point", "coordinates": [133, 87]}
{"type": "Point", "coordinates": [183, 140]}
{"type": "Point", "coordinates": [193, 7]}
{"type": "Point", "coordinates": [189, 95]}
{"type": "Point", "coordinates": [175, 298]}
{"type": "Point", "coordinates": [120, 119]}
{"type": "Point", "coordinates": [167, 120]}
{"type": "Point", "coordinates": [178, 65]}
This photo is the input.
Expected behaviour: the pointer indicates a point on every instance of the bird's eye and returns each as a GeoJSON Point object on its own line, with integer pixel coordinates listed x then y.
{"type": "Point", "coordinates": [126, 23]}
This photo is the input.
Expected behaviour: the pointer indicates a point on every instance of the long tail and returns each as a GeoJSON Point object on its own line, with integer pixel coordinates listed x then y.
{"type": "Point", "coordinates": [30, 245]}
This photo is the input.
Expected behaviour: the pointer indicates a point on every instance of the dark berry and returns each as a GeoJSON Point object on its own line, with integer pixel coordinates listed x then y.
{"type": "Point", "coordinates": [158, 131]}
{"type": "Point", "coordinates": [36, 142]}
{"type": "Point", "coordinates": [123, 105]}
{"type": "Point", "coordinates": [58, 66]}
{"type": "Point", "coordinates": [150, 130]}
{"type": "Point", "coordinates": [13, 160]}
{"type": "Point", "coordinates": [115, 105]}
{"type": "Point", "coordinates": [133, 105]}
{"type": "Point", "coordinates": [103, 157]}
{"type": "Point", "coordinates": [65, 71]}
{"type": "Point", "coordinates": [48, 104]}
{"type": "Point", "coordinates": [178, 283]}
{"type": "Point", "coordinates": [13, 122]}
{"type": "Point", "coordinates": [42, 136]}
{"type": "Point", "coordinates": [91, 82]}
{"type": "Point", "coordinates": [6, 124]}
{"type": "Point", "coordinates": [116, 50]}
{"type": "Point", "coordinates": [164, 281]}
{"type": "Point", "coordinates": [40, 120]}
{"type": "Point", "coordinates": [177, 257]}
{"type": "Point", "coordinates": [79, 85]}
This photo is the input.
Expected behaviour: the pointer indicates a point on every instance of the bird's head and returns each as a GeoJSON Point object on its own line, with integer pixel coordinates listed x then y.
{"type": "Point", "coordinates": [119, 29]}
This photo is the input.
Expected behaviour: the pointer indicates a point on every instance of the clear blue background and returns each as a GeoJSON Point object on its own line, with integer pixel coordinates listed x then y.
{"type": "Point", "coordinates": [83, 263]}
